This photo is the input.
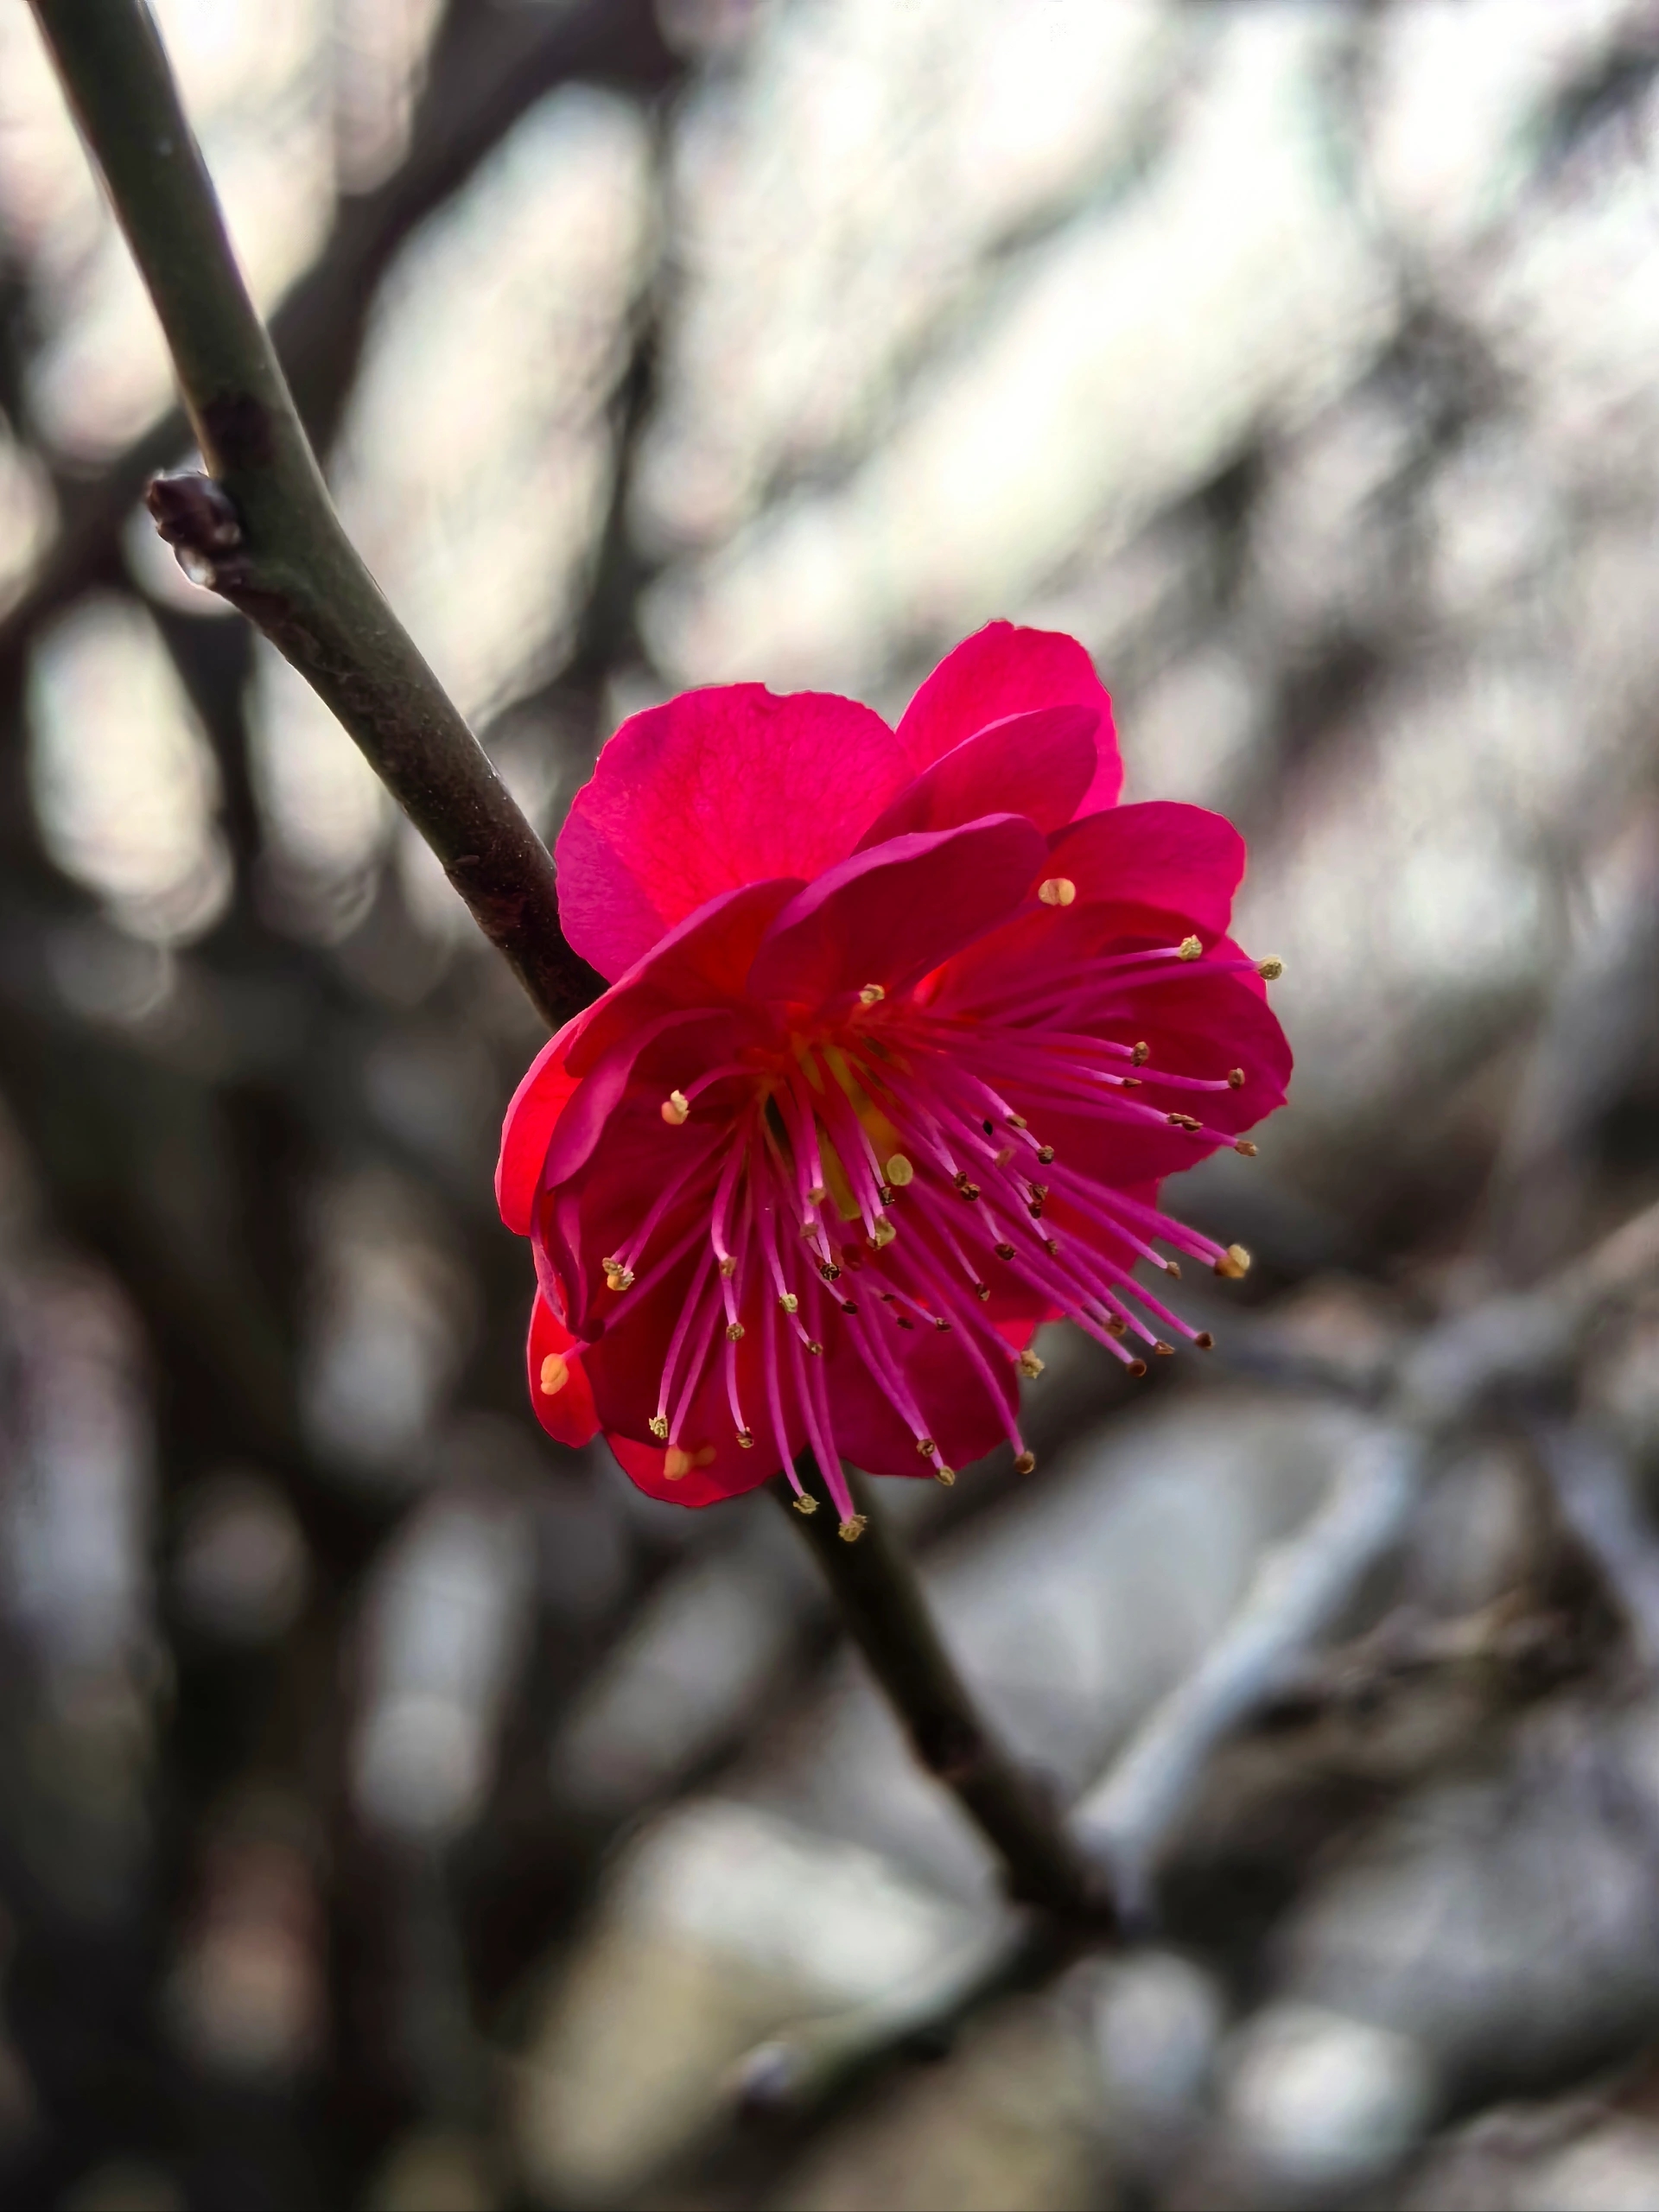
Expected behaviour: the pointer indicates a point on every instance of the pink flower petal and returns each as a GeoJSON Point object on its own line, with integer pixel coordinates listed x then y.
{"type": "Point", "coordinates": [704, 960]}
{"type": "Point", "coordinates": [602, 1090]}
{"type": "Point", "coordinates": [527, 1128]}
{"type": "Point", "coordinates": [1181, 858]}
{"type": "Point", "coordinates": [645, 1465]}
{"type": "Point", "coordinates": [1003, 670]}
{"type": "Point", "coordinates": [1196, 1024]}
{"type": "Point", "coordinates": [625, 1368]}
{"type": "Point", "coordinates": [565, 1411]}
{"type": "Point", "coordinates": [1037, 764]}
{"type": "Point", "coordinates": [613, 1153]}
{"type": "Point", "coordinates": [941, 1377]}
{"type": "Point", "coordinates": [716, 789]}
{"type": "Point", "coordinates": [888, 915]}
{"type": "Point", "coordinates": [1041, 941]}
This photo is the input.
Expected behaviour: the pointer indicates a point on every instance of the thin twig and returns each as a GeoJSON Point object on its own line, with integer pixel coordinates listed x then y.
{"type": "Point", "coordinates": [803, 2063]}
{"type": "Point", "coordinates": [262, 530]}
{"type": "Point", "coordinates": [880, 1599]}
{"type": "Point", "coordinates": [1593, 1490]}
{"type": "Point", "coordinates": [808, 2066]}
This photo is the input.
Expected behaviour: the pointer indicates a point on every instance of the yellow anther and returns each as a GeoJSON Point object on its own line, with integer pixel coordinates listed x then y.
{"type": "Point", "coordinates": [1164, 1350]}
{"type": "Point", "coordinates": [1030, 1365]}
{"type": "Point", "coordinates": [1057, 891]}
{"type": "Point", "coordinates": [1271, 969]}
{"type": "Point", "coordinates": [1234, 1262]}
{"type": "Point", "coordinates": [1045, 1153]}
{"type": "Point", "coordinates": [617, 1277]}
{"type": "Point", "coordinates": [746, 1439]}
{"type": "Point", "coordinates": [1204, 1341]}
{"type": "Point", "coordinates": [804, 1504]}
{"type": "Point", "coordinates": [926, 1447]}
{"type": "Point", "coordinates": [675, 1108]}
{"type": "Point", "coordinates": [680, 1463]}
{"type": "Point", "coordinates": [555, 1373]}
{"type": "Point", "coordinates": [1137, 1367]}
{"type": "Point", "coordinates": [945, 1475]}
{"type": "Point", "coordinates": [1139, 1056]}
{"type": "Point", "coordinates": [1235, 1078]}
{"type": "Point", "coordinates": [872, 995]}
{"type": "Point", "coordinates": [788, 1300]}
{"type": "Point", "coordinates": [852, 1529]}
{"type": "Point", "coordinates": [816, 1195]}
{"type": "Point", "coordinates": [882, 1233]}
{"type": "Point", "coordinates": [1173, 1268]}
{"type": "Point", "coordinates": [816, 1349]}
{"type": "Point", "coordinates": [1244, 1145]}
{"type": "Point", "coordinates": [1190, 949]}
{"type": "Point", "coordinates": [728, 1266]}
{"type": "Point", "coordinates": [658, 1426]}
{"type": "Point", "coordinates": [1026, 1462]}
{"type": "Point", "coordinates": [1115, 1325]}
{"type": "Point", "coordinates": [733, 1330]}
{"type": "Point", "coordinates": [1017, 1122]}
{"type": "Point", "coordinates": [900, 1172]}
{"type": "Point", "coordinates": [1004, 1251]}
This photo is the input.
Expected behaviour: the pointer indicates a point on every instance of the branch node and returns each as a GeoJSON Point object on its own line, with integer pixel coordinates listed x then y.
{"type": "Point", "coordinates": [197, 519]}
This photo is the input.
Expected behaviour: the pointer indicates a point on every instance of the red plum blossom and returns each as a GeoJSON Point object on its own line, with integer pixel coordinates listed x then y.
{"type": "Point", "coordinates": [904, 1029]}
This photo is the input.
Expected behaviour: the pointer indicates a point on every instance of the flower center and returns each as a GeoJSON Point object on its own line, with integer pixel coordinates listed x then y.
{"type": "Point", "coordinates": [903, 1168]}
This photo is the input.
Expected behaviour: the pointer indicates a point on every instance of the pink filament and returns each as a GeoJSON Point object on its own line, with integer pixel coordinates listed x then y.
{"type": "Point", "coordinates": [961, 1092]}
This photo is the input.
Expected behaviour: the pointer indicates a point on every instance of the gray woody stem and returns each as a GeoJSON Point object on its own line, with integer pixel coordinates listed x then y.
{"type": "Point", "coordinates": [881, 1602]}
{"type": "Point", "coordinates": [263, 530]}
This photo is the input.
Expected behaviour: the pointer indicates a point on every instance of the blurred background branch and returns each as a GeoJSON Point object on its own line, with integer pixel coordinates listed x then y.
{"type": "Point", "coordinates": [262, 530]}
{"type": "Point", "coordinates": [488, 67]}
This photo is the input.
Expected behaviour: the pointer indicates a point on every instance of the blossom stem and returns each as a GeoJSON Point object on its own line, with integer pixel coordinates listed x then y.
{"type": "Point", "coordinates": [880, 1599]}
{"type": "Point", "coordinates": [260, 528]}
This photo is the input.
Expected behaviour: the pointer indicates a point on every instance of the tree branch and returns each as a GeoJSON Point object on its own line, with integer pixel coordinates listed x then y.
{"type": "Point", "coordinates": [1598, 1503]}
{"type": "Point", "coordinates": [880, 1599]}
{"type": "Point", "coordinates": [263, 530]}
{"type": "Point", "coordinates": [489, 67]}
